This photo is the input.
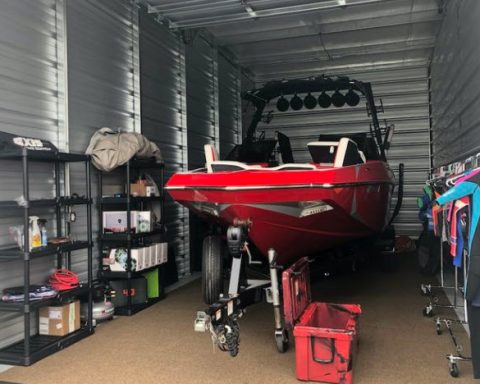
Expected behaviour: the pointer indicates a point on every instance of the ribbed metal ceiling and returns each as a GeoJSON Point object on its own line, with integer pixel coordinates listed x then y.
{"type": "Point", "coordinates": [277, 38]}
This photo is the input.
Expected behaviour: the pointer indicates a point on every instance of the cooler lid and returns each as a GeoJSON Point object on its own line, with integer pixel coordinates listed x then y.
{"type": "Point", "coordinates": [296, 290]}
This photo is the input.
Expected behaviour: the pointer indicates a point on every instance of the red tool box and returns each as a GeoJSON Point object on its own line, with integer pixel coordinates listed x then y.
{"type": "Point", "coordinates": [325, 334]}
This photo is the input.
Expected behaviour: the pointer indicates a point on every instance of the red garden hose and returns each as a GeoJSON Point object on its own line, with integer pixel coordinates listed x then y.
{"type": "Point", "coordinates": [63, 279]}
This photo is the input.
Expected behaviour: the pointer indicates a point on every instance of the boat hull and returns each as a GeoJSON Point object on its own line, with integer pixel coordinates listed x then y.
{"type": "Point", "coordinates": [298, 213]}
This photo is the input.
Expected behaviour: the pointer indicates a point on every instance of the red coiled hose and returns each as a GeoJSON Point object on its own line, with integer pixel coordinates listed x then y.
{"type": "Point", "coordinates": [63, 279]}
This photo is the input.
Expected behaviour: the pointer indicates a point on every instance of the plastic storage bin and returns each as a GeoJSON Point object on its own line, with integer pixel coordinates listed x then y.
{"type": "Point", "coordinates": [325, 333]}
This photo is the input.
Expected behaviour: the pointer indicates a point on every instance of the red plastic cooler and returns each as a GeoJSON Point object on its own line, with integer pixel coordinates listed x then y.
{"type": "Point", "coordinates": [325, 334]}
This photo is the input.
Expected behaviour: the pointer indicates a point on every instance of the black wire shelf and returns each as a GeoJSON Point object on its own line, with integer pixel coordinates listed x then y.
{"type": "Point", "coordinates": [40, 347]}
{"type": "Point", "coordinates": [62, 297]}
{"type": "Point", "coordinates": [135, 308]}
{"type": "Point", "coordinates": [15, 253]}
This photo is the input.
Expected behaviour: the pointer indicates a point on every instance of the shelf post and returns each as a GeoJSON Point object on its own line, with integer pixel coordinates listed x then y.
{"type": "Point", "coordinates": [26, 259]}
{"type": "Point", "coordinates": [129, 245]}
{"type": "Point", "coordinates": [88, 186]}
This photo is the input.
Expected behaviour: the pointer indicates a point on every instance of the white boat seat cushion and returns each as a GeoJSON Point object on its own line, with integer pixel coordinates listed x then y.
{"type": "Point", "coordinates": [336, 153]}
{"type": "Point", "coordinates": [224, 165]}
{"type": "Point", "coordinates": [348, 153]}
{"type": "Point", "coordinates": [211, 155]}
{"type": "Point", "coordinates": [292, 167]}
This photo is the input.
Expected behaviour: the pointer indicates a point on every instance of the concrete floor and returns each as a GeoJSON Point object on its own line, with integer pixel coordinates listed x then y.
{"type": "Point", "coordinates": [158, 345]}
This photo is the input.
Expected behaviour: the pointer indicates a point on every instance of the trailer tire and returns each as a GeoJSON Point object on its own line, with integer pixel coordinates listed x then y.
{"type": "Point", "coordinates": [212, 269]}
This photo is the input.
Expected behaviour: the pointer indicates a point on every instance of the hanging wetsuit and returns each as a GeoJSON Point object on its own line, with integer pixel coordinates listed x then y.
{"type": "Point", "coordinates": [456, 237]}
{"type": "Point", "coordinates": [469, 186]}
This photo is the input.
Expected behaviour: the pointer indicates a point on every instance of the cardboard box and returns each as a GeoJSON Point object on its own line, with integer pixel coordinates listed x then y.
{"type": "Point", "coordinates": [144, 221]}
{"type": "Point", "coordinates": [161, 253]}
{"type": "Point", "coordinates": [150, 191]}
{"type": "Point", "coordinates": [139, 190]}
{"type": "Point", "coordinates": [153, 255]}
{"type": "Point", "coordinates": [116, 221]}
{"type": "Point", "coordinates": [59, 320]}
{"type": "Point", "coordinates": [147, 258]}
{"type": "Point", "coordinates": [117, 259]}
{"type": "Point", "coordinates": [142, 190]}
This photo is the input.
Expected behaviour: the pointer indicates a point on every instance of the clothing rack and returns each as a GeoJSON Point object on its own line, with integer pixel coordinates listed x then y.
{"type": "Point", "coordinates": [448, 175]}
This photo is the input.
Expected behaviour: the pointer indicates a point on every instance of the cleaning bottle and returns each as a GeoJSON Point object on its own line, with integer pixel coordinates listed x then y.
{"type": "Point", "coordinates": [35, 235]}
{"type": "Point", "coordinates": [43, 231]}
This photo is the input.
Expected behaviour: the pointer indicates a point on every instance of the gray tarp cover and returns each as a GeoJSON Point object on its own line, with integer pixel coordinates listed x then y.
{"type": "Point", "coordinates": [110, 149]}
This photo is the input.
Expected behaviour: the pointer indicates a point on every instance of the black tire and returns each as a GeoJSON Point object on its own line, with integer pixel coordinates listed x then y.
{"type": "Point", "coordinates": [282, 341]}
{"type": "Point", "coordinates": [454, 371]}
{"type": "Point", "coordinates": [212, 269]}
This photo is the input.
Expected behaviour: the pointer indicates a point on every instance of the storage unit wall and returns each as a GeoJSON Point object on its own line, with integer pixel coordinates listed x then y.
{"type": "Point", "coordinates": [229, 105]}
{"type": "Point", "coordinates": [102, 75]}
{"type": "Point", "coordinates": [202, 127]}
{"type": "Point", "coordinates": [32, 101]}
{"type": "Point", "coordinates": [164, 117]}
{"type": "Point", "coordinates": [34, 346]}
{"type": "Point", "coordinates": [455, 84]}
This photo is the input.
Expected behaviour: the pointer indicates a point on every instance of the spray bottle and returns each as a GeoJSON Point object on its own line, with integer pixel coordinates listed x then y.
{"type": "Point", "coordinates": [35, 235]}
{"type": "Point", "coordinates": [43, 231]}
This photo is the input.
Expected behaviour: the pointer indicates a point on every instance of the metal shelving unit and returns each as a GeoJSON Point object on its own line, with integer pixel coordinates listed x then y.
{"type": "Point", "coordinates": [35, 347]}
{"type": "Point", "coordinates": [129, 239]}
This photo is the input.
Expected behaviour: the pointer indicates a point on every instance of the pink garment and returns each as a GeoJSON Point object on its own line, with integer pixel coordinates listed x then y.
{"type": "Point", "coordinates": [467, 176]}
{"type": "Point", "coordinates": [457, 206]}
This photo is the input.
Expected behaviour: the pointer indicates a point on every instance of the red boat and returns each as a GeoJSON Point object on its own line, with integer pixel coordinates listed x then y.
{"type": "Point", "coordinates": [290, 210]}
{"type": "Point", "coordinates": [297, 210]}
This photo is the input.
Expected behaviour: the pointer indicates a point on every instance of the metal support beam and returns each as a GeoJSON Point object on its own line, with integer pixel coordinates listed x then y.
{"type": "Point", "coordinates": [242, 15]}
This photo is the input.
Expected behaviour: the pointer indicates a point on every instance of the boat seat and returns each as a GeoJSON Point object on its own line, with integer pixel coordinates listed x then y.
{"type": "Point", "coordinates": [225, 165]}
{"type": "Point", "coordinates": [336, 153]}
{"type": "Point", "coordinates": [292, 167]}
{"type": "Point", "coordinates": [214, 164]}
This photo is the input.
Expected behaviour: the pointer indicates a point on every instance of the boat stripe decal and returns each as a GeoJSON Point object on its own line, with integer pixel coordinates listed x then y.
{"type": "Point", "coordinates": [259, 187]}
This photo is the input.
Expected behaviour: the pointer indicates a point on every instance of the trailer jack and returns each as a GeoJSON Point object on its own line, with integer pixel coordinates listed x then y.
{"type": "Point", "coordinates": [221, 319]}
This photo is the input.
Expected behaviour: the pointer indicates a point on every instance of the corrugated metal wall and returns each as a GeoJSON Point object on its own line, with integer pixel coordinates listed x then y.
{"type": "Point", "coordinates": [229, 105]}
{"type": "Point", "coordinates": [404, 91]}
{"type": "Point", "coordinates": [101, 85]}
{"type": "Point", "coordinates": [455, 84]}
{"type": "Point", "coordinates": [31, 104]}
{"type": "Point", "coordinates": [201, 67]}
{"type": "Point", "coordinates": [202, 123]}
{"type": "Point", "coordinates": [162, 68]}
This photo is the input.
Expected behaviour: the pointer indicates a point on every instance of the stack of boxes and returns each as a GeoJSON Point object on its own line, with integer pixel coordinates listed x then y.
{"type": "Point", "coordinates": [116, 221]}
{"type": "Point", "coordinates": [142, 258]}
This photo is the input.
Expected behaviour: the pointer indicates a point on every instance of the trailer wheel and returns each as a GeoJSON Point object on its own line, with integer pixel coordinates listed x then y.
{"type": "Point", "coordinates": [212, 269]}
{"type": "Point", "coordinates": [281, 339]}
{"type": "Point", "coordinates": [454, 371]}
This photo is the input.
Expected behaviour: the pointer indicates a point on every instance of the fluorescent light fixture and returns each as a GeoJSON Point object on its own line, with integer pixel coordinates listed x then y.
{"type": "Point", "coordinates": [342, 2]}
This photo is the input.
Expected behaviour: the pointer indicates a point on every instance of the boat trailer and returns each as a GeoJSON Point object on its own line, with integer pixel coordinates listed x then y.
{"type": "Point", "coordinates": [221, 318]}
